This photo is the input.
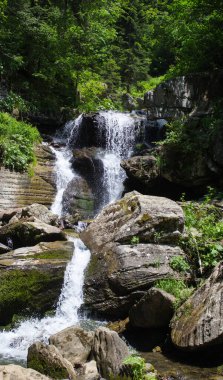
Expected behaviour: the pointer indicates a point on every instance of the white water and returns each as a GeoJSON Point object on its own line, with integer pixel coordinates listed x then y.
{"type": "Point", "coordinates": [14, 343]}
{"type": "Point", "coordinates": [120, 139]}
{"type": "Point", "coordinates": [121, 131]}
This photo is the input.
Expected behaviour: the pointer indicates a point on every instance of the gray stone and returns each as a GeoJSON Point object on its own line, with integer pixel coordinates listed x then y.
{"type": "Point", "coordinates": [198, 323]}
{"type": "Point", "coordinates": [15, 372]}
{"type": "Point", "coordinates": [49, 361]}
{"type": "Point", "coordinates": [131, 242]}
{"type": "Point", "coordinates": [109, 351]}
{"type": "Point", "coordinates": [29, 233]}
{"type": "Point", "coordinates": [78, 199]}
{"type": "Point", "coordinates": [74, 344]}
{"type": "Point", "coordinates": [154, 310]}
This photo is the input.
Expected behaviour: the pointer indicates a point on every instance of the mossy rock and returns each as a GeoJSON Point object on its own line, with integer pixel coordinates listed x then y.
{"type": "Point", "coordinates": [31, 279]}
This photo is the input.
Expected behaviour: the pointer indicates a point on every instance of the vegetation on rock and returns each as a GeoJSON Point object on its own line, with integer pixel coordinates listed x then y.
{"type": "Point", "coordinates": [17, 140]}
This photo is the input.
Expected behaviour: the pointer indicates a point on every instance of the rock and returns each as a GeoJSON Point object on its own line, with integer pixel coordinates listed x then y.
{"type": "Point", "coordinates": [182, 95]}
{"type": "Point", "coordinates": [40, 212]}
{"type": "Point", "coordinates": [130, 244]}
{"type": "Point", "coordinates": [15, 372]}
{"type": "Point", "coordinates": [29, 233]}
{"type": "Point", "coordinates": [74, 344]}
{"type": "Point", "coordinates": [21, 189]}
{"type": "Point", "coordinates": [4, 248]}
{"type": "Point", "coordinates": [198, 323]}
{"type": "Point", "coordinates": [128, 102]}
{"type": "Point", "coordinates": [48, 361]}
{"type": "Point", "coordinates": [90, 371]}
{"type": "Point", "coordinates": [138, 215]}
{"type": "Point", "coordinates": [87, 162]}
{"type": "Point", "coordinates": [31, 279]}
{"type": "Point", "coordinates": [90, 131]}
{"type": "Point", "coordinates": [118, 277]}
{"type": "Point", "coordinates": [154, 310]}
{"type": "Point", "coordinates": [78, 199]}
{"type": "Point", "coordinates": [109, 351]}
{"type": "Point", "coordinates": [142, 169]}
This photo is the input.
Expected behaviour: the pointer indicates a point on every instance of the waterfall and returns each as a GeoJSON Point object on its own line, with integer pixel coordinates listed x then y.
{"type": "Point", "coordinates": [120, 136]}
{"type": "Point", "coordinates": [14, 343]}
{"type": "Point", "coordinates": [119, 131]}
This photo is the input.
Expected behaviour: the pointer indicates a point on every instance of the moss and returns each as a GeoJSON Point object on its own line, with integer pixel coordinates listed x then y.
{"type": "Point", "coordinates": [144, 218]}
{"type": "Point", "coordinates": [30, 291]}
{"type": "Point", "coordinates": [52, 255]}
{"type": "Point", "coordinates": [55, 372]}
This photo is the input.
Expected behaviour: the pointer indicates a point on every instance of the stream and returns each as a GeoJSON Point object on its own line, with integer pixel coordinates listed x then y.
{"type": "Point", "coordinates": [119, 136]}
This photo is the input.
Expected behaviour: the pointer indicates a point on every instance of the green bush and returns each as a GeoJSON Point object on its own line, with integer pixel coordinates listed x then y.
{"type": "Point", "coordinates": [17, 141]}
{"type": "Point", "coordinates": [179, 264]}
{"type": "Point", "coordinates": [204, 231]}
{"type": "Point", "coordinates": [177, 288]}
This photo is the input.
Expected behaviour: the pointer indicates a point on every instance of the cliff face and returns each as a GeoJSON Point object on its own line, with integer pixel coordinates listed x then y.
{"type": "Point", "coordinates": [21, 189]}
{"type": "Point", "coordinates": [191, 94]}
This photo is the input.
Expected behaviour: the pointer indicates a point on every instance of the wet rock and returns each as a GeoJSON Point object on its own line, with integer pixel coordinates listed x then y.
{"type": "Point", "coordinates": [15, 372]}
{"type": "Point", "coordinates": [31, 279]}
{"type": "Point", "coordinates": [48, 361]}
{"type": "Point", "coordinates": [41, 213]}
{"type": "Point", "coordinates": [74, 344]}
{"type": "Point", "coordinates": [128, 241]}
{"type": "Point", "coordinates": [29, 233]}
{"type": "Point", "coordinates": [78, 199]}
{"type": "Point", "coordinates": [142, 169]}
{"type": "Point", "coordinates": [91, 132]}
{"type": "Point", "coordinates": [154, 310]}
{"type": "Point", "coordinates": [109, 351]}
{"type": "Point", "coordinates": [198, 323]}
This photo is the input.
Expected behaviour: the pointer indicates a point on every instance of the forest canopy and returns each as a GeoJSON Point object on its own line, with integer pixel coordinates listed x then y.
{"type": "Point", "coordinates": [86, 53]}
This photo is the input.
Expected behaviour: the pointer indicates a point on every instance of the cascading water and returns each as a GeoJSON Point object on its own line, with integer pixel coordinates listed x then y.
{"type": "Point", "coordinates": [14, 343]}
{"type": "Point", "coordinates": [120, 132]}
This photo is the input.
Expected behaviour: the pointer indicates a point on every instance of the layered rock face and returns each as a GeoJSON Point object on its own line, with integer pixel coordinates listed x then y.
{"type": "Point", "coordinates": [182, 95]}
{"type": "Point", "coordinates": [132, 242]}
{"type": "Point", "coordinates": [198, 323]}
{"type": "Point", "coordinates": [20, 189]}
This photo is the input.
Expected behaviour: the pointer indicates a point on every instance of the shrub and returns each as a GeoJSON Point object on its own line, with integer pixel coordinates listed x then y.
{"type": "Point", "coordinates": [177, 288]}
{"type": "Point", "coordinates": [17, 141]}
{"type": "Point", "coordinates": [179, 264]}
{"type": "Point", "coordinates": [138, 366]}
{"type": "Point", "coordinates": [204, 231]}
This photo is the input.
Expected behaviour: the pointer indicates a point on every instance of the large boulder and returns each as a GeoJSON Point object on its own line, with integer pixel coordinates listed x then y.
{"type": "Point", "coordinates": [31, 279]}
{"type": "Point", "coordinates": [154, 310]}
{"type": "Point", "coordinates": [29, 233]}
{"type": "Point", "coordinates": [198, 323]}
{"type": "Point", "coordinates": [132, 243]}
{"type": "Point", "coordinates": [109, 351]}
{"type": "Point", "coordinates": [147, 217]}
{"type": "Point", "coordinates": [74, 344]}
{"type": "Point", "coordinates": [41, 213]}
{"type": "Point", "coordinates": [47, 360]}
{"type": "Point", "coordinates": [15, 372]}
{"type": "Point", "coordinates": [78, 199]}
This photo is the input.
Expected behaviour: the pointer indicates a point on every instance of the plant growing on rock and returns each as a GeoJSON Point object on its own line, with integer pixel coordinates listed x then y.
{"type": "Point", "coordinates": [137, 368]}
{"type": "Point", "coordinates": [17, 140]}
{"type": "Point", "coordinates": [179, 264]}
{"type": "Point", "coordinates": [177, 288]}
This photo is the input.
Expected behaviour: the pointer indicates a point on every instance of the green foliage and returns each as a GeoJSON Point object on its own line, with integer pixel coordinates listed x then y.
{"type": "Point", "coordinates": [13, 101]}
{"type": "Point", "coordinates": [138, 366]}
{"type": "Point", "coordinates": [179, 264]}
{"type": "Point", "coordinates": [204, 231]}
{"type": "Point", "coordinates": [17, 141]}
{"type": "Point", "coordinates": [140, 88]}
{"type": "Point", "coordinates": [134, 240]}
{"type": "Point", "coordinates": [177, 288]}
